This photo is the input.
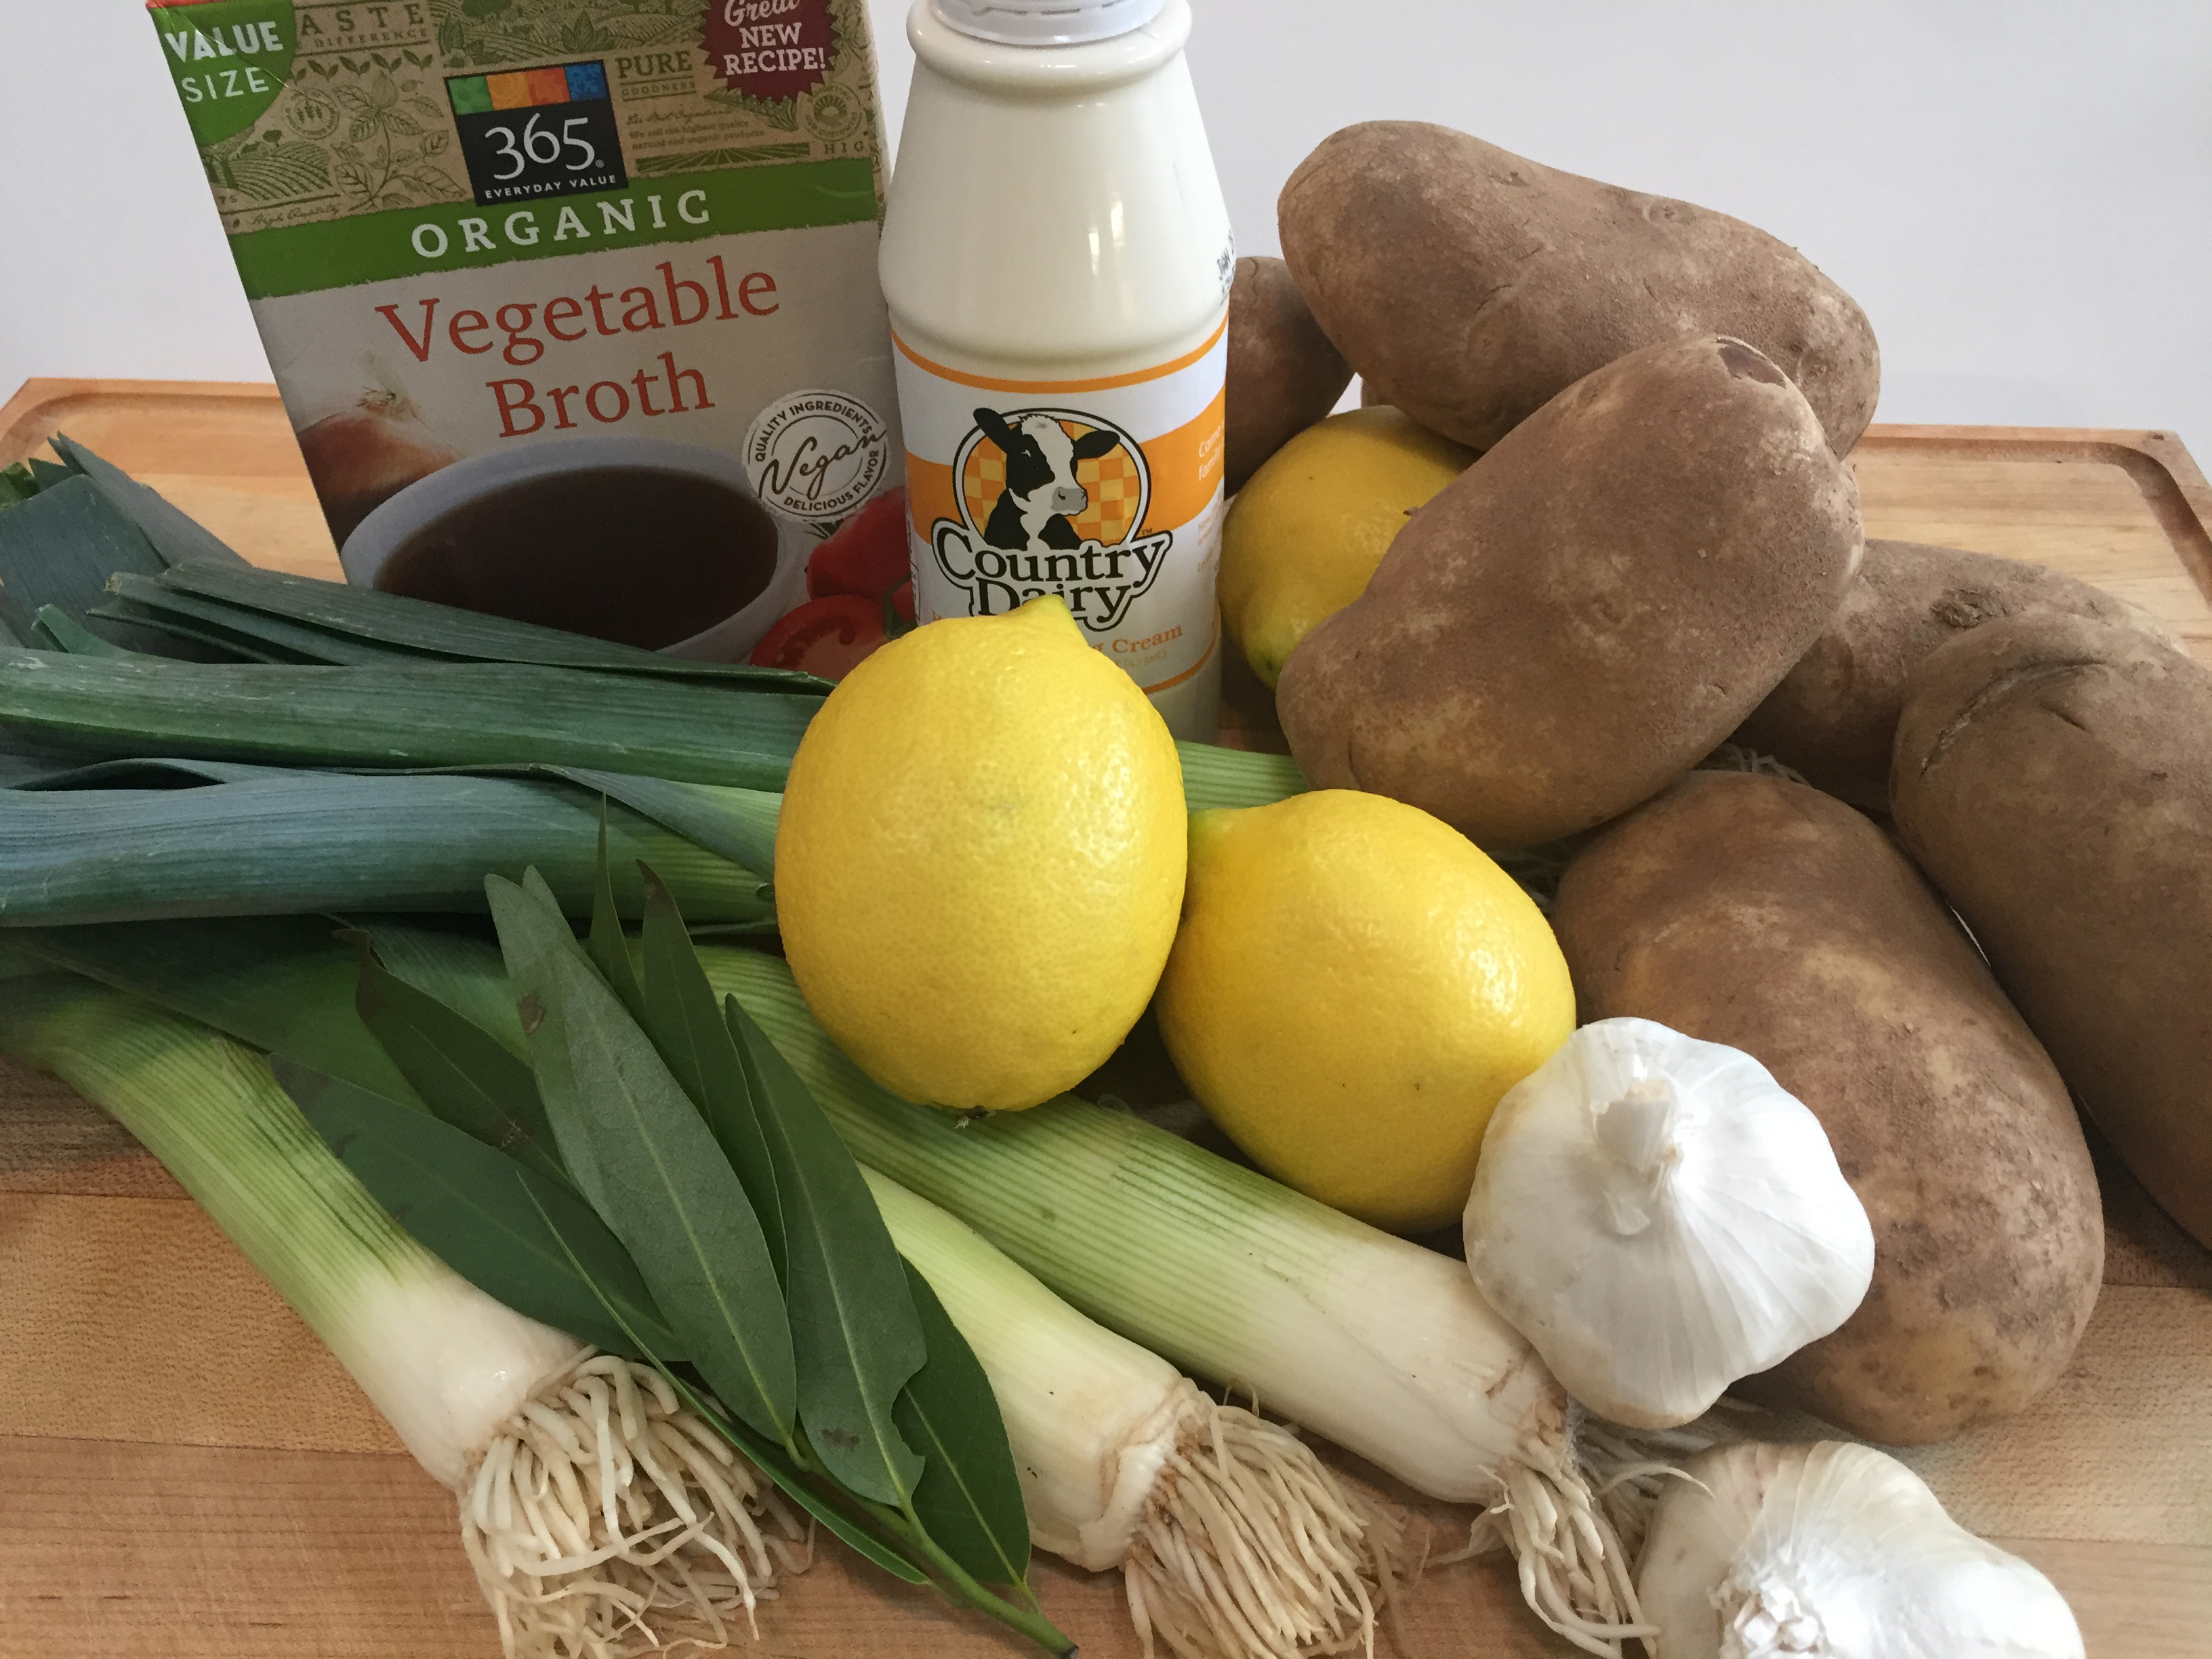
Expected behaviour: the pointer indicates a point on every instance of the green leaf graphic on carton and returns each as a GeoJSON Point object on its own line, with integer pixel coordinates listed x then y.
{"type": "Point", "coordinates": [229, 60]}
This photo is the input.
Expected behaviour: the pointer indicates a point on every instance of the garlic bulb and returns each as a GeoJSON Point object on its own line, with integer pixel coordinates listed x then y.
{"type": "Point", "coordinates": [1837, 1551]}
{"type": "Point", "coordinates": [1658, 1217]}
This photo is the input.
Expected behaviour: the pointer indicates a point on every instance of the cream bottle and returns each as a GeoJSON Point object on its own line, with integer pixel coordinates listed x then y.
{"type": "Point", "coordinates": [1056, 258]}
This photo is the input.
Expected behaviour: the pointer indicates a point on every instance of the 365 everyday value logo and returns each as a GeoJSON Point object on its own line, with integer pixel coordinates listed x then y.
{"type": "Point", "coordinates": [1050, 502]}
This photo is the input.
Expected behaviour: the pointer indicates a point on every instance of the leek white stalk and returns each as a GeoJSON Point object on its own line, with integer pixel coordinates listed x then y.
{"type": "Point", "coordinates": [1386, 1348]}
{"type": "Point", "coordinates": [1834, 1551]}
{"type": "Point", "coordinates": [601, 1516]}
{"type": "Point", "coordinates": [1234, 1541]}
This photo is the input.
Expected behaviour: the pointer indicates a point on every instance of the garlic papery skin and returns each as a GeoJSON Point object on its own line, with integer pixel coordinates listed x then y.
{"type": "Point", "coordinates": [1659, 1216]}
{"type": "Point", "coordinates": [1837, 1551]}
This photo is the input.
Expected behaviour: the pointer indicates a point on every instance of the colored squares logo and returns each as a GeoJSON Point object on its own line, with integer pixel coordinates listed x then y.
{"type": "Point", "coordinates": [528, 133]}
{"type": "Point", "coordinates": [532, 89]}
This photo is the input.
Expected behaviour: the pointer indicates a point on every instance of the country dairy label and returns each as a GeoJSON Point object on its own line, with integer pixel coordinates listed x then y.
{"type": "Point", "coordinates": [1106, 491]}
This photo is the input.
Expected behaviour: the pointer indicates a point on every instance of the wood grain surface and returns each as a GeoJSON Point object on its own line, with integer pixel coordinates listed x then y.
{"type": "Point", "coordinates": [185, 1472]}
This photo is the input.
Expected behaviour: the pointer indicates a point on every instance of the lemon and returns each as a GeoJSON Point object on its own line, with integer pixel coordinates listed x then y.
{"type": "Point", "coordinates": [1354, 986]}
{"type": "Point", "coordinates": [979, 859]}
{"type": "Point", "coordinates": [1307, 530]}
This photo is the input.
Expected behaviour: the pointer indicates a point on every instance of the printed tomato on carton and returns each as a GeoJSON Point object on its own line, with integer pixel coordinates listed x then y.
{"type": "Point", "coordinates": [866, 555]}
{"type": "Point", "coordinates": [860, 595]}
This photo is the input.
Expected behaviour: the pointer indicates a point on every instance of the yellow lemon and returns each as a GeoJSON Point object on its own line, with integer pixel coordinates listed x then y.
{"type": "Point", "coordinates": [1306, 533]}
{"type": "Point", "coordinates": [1354, 986]}
{"type": "Point", "coordinates": [981, 858]}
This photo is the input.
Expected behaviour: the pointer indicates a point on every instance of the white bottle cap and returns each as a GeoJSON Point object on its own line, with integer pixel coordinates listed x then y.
{"type": "Point", "coordinates": [1046, 22]}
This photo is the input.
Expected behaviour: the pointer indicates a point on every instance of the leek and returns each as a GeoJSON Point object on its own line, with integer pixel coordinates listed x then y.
{"type": "Point", "coordinates": [146, 602]}
{"type": "Point", "coordinates": [270, 841]}
{"type": "Point", "coordinates": [1384, 1347]}
{"type": "Point", "coordinates": [465, 715]}
{"type": "Point", "coordinates": [405, 715]}
{"type": "Point", "coordinates": [289, 842]}
{"type": "Point", "coordinates": [316, 615]}
{"type": "Point", "coordinates": [1234, 1541]}
{"type": "Point", "coordinates": [589, 1501]}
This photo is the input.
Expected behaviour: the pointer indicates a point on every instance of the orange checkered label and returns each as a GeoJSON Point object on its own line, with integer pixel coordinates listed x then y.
{"type": "Point", "coordinates": [1107, 492]}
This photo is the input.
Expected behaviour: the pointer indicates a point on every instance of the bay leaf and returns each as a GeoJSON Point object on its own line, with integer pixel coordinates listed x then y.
{"type": "Point", "coordinates": [461, 1072]}
{"type": "Point", "coordinates": [605, 943]}
{"type": "Point", "coordinates": [853, 1329]}
{"type": "Point", "coordinates": [687, 1026]}
{"type": "Point", "coordinates": [519, 1235]}
{"type": "Point", "coordinates": [642, 1154]}
{"type": "Point", "coordinates": [768, 1457]}
{"type": "Point", "coordinates": [969, 1497]}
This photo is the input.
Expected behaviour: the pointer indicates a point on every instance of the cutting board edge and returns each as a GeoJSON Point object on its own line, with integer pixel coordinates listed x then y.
{"type": "Point", "coordinates": [32, 415]}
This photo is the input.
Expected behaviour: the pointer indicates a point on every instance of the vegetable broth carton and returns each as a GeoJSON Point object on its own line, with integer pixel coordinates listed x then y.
{"type": "Point", "coordinates": [573, 303]}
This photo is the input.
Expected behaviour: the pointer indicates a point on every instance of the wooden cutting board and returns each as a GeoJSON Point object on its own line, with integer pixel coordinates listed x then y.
{"type": "Point", "coordinates": [185, 1472]}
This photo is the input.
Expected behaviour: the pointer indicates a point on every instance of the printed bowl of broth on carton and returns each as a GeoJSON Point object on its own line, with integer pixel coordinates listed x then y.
{"type": "Point", "coordinates": [575, 309]}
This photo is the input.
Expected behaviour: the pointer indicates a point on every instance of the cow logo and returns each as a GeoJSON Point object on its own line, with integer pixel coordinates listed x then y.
{"type": "Point", "coordinates": [817, 454]}
{"type": "Point", "coordinates": [1051, 501]}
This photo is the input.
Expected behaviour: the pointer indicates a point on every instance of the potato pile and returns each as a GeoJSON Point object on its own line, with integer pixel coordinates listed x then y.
{"type": "Point", "coordinates": [1659, 550]}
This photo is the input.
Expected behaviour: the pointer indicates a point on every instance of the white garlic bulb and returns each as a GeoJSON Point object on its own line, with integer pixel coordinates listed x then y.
{"type": "Point", "coordinates": [1658, 1217]}
{"type": "Point", "coordinates": [1837, 1551]}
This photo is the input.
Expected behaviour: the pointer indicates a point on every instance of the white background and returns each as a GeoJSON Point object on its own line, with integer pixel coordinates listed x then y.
{"type": "Point", "coordinates": [2018, 191]}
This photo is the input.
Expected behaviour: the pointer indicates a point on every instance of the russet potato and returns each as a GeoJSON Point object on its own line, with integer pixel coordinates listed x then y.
{"type": "Point", "coordinates": [1834, 716]}
{"type": "Point", "coordinates": [2053, 776]}
{"type": "Point", "coordinates": [1284, 374]}
{"type": "Point", "coordinates": [1588, 611]}
{"type": "Point", "coordinates": [1752, 911]}
{"type": "Point", "coordinates": [1469, 286]}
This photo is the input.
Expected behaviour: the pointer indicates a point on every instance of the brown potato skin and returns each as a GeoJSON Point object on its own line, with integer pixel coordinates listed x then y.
{"type": "Point", "coordinates": [1470, 285]}
{"type": "Point", "coordinates": [1752, 911]}
{"type": "Point", "coordinates": [1284, 374]}
{"type": "Point", "coordinates": [2053, 776]}
{"type": "Point", "coordinates": [1833, 718]}
{"type": "Point", "coordinates": [1587, 612]}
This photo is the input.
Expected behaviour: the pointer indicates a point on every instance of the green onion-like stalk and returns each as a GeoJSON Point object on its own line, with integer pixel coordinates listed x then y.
{"type": "Point", "coordinates": [592, 1506]}
{"type": "Point", "coordinates": [252, 840]}
{"type": "Point", "coordinates": [404, 714]}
